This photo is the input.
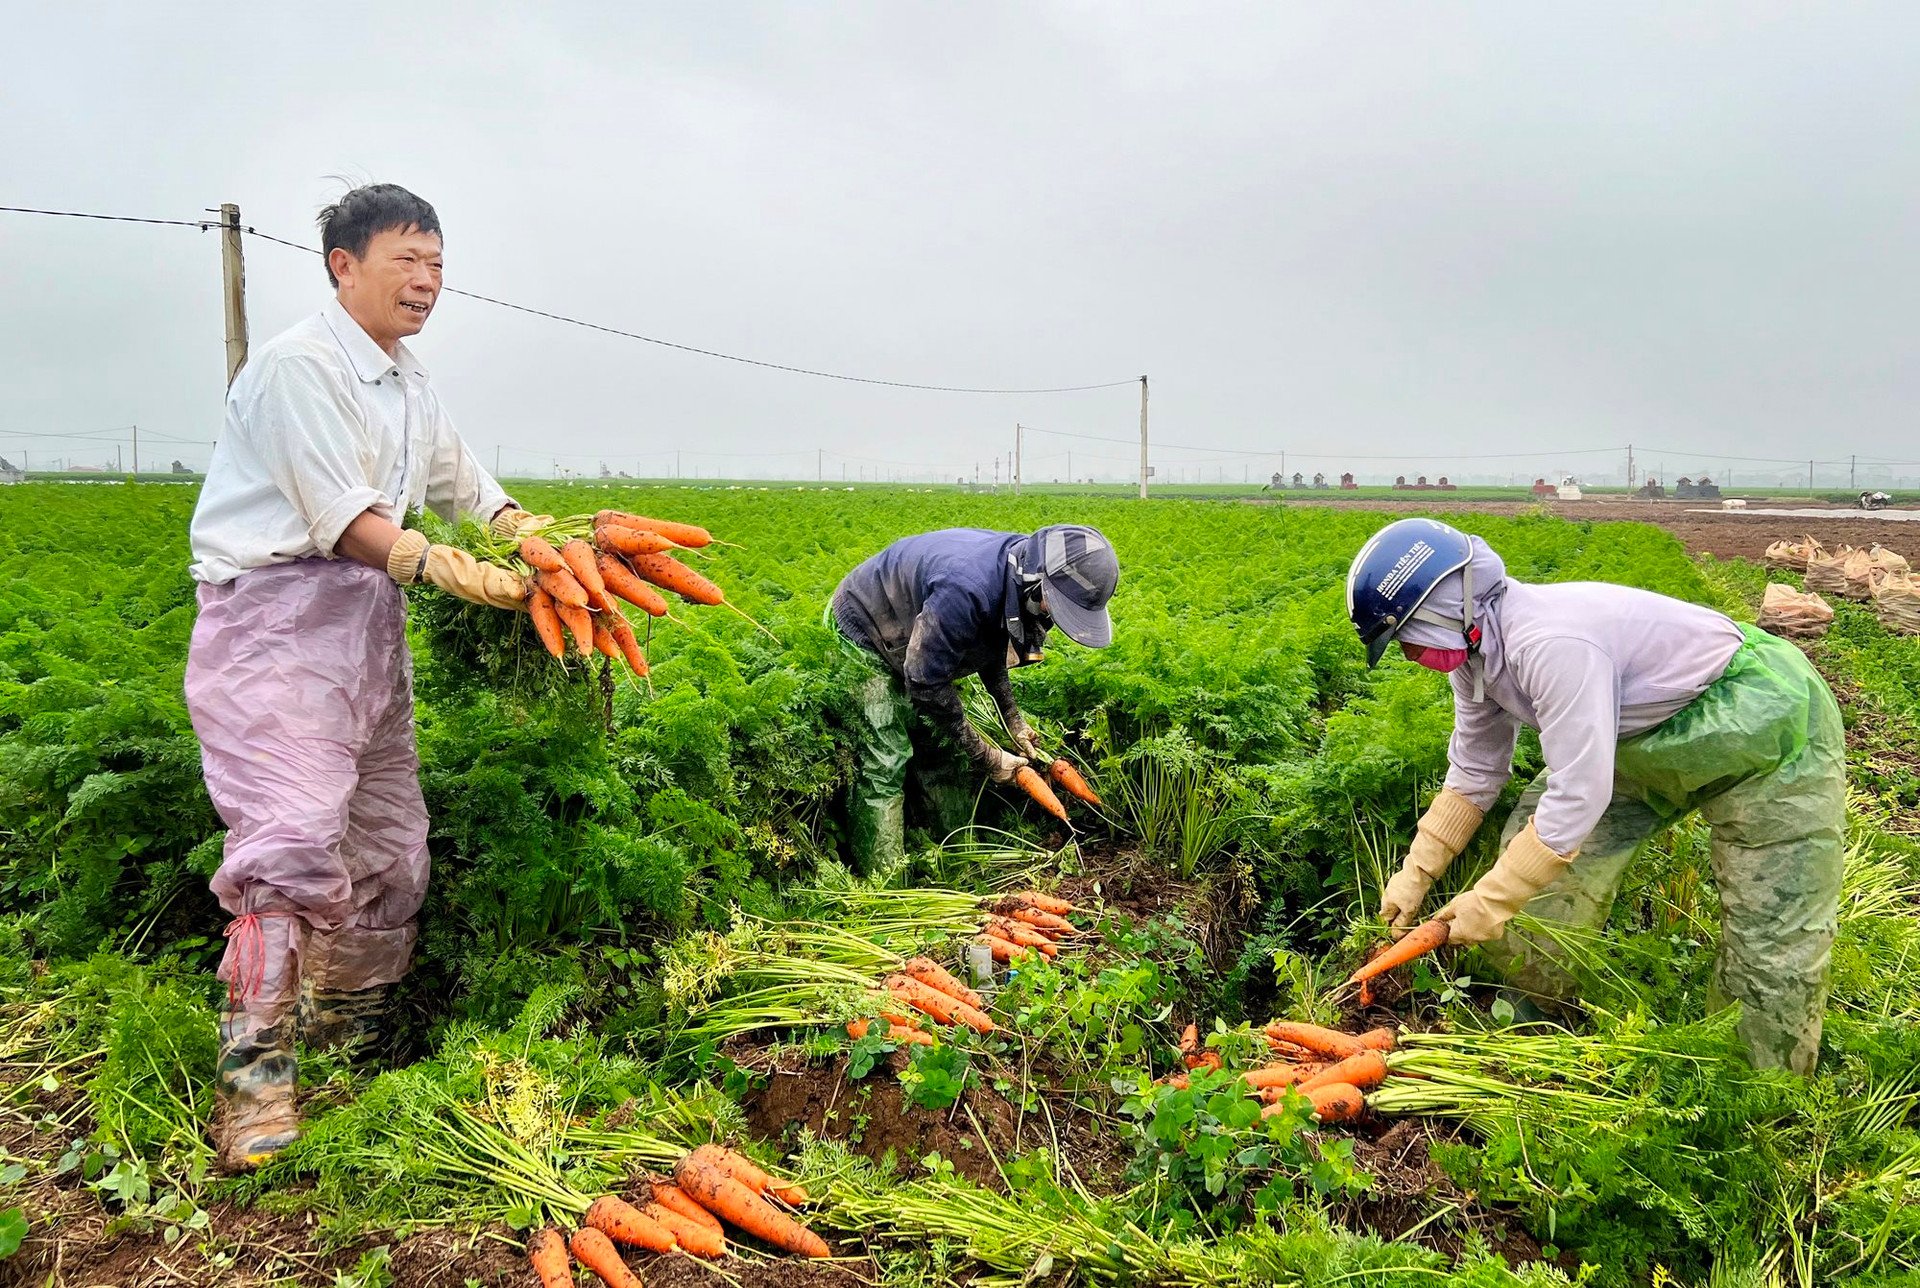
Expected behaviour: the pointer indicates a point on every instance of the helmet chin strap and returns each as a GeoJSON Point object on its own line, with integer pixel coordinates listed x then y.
{"type": "Point", "coordinates": [1467, 629]}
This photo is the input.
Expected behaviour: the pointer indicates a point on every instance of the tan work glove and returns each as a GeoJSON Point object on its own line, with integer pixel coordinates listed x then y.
{"type": "Point", "coordinates": [1524, 869]}
{"type": "Point", "coordinates": [413, 559]}
{"type": "Point", "coordinates": [1001, 764]}
{"type": "Point", "coordinates": [1446, 827]}
{"type": "Point", "coordinates": [511, 522]}
{"type": "Point", "coordinates": [1022, 734]}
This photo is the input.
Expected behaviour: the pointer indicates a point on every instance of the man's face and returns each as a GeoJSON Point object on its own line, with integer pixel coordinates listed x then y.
{"type": "Point", "coordinates": [391, 289]}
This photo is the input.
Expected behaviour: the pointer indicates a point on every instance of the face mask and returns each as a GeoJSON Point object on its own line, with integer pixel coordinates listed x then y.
{"type": "Point", "coordinates": [1437, 659]}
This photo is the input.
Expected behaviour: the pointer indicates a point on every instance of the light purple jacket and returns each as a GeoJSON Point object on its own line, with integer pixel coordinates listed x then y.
{"type": "Point", "coordinates": [1586, 663]}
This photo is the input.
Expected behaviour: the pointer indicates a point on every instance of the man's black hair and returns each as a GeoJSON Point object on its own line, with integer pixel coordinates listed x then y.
{"type": "Point", "coordinates": [353, 221]}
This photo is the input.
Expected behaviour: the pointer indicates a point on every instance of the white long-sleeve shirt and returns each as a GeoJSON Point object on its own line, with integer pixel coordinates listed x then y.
{"type": "Point", "coordinates": [321, 427]}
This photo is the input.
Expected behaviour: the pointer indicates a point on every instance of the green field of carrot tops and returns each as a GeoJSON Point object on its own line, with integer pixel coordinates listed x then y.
{"type": "Point", "coordinates": [641, 940]}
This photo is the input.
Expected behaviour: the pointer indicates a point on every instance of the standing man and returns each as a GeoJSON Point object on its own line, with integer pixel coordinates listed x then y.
{"type": "Point", "coordinates": [934, 608]}
{"type": "Point", "coordinates": [298, 677]}
{"type": "Point", "coordinates": [1648, 708]}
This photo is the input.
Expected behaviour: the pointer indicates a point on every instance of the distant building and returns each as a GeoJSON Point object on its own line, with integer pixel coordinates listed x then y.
{"type": "Point", "coordinates": [1347, 483]}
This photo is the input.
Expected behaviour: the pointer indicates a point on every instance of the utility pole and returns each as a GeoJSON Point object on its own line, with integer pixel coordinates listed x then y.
{"type": "Point", "coordinates": [1629, 467]}
{"type": "Point", "coordinates": [1852, 461]}
{"type": "Point", "coordinates": [1809, 476]}
{"type": "Point", "coordinates": [1143, 438]}
{"type": "Point", "coordinates": [233, 275]}
{"type": "Point", "coordinates": [136, 447]}
{"type": "Point", "coordinates": [1016, 458]}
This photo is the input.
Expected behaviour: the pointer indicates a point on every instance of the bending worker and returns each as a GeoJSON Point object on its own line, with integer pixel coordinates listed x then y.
{"type": "Point", "coordinates": [931, 609]}
{"type": "Point", "coordinates": [1647, 708]}
{"type": "Point", "coordinates": [298, 678]}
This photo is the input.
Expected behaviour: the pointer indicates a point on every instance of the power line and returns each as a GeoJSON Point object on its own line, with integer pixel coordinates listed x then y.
{"type": "Point", "coordinates": [117, 219]}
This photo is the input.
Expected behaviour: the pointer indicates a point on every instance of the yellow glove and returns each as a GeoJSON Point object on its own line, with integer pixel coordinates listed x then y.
{"type": "Point", "coordinates": [1524, 869]}
{"type": "Point", "coordinates": [1446, 827]}
{"type": "Point", "coordinates": [455, 571]}
{"type": "Point", "coordinates": [511, 522]}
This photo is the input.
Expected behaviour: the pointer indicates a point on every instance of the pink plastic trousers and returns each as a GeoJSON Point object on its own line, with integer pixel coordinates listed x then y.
{"type": "Point", "coordinates": [301, 692]}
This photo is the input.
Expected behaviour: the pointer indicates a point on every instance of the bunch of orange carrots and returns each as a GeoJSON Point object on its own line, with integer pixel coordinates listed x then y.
{"type": "Point", "coordinates": [1334, 1070]}
{"type": "Point", "coordinates": [580, 584]}
{"type": "Point", "coordinates": [1065, 776]}
{"type": "Point", "coordinates": [1028, 921]}
{"type": "Point", "coordinates": [924, 985]}
{"type": "Point", "coordinates": [711, 1186]}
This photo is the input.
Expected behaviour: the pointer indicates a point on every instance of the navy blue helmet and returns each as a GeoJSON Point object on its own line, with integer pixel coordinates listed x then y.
{"type": "Point", "coordinates": [1395, 572]}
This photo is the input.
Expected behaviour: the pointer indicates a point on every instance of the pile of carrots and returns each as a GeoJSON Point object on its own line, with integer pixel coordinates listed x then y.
{"type": "Point", "coordinates": [1028, 922]}
{"type": "Point", "coordinates": [578, 584]}
{"type": "Point", "coordinates": [1070, 781]}
{"type": "Point", "coordinates": [1333, 1070]}
{"type": "Point", "coordinates": [711, 1185]}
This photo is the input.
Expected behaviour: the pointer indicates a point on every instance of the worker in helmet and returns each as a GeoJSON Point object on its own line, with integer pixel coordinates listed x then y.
{"type": "Point", "coordinates": [1647, 708]}
{"type": "Point", "coordinates": [934, 608]}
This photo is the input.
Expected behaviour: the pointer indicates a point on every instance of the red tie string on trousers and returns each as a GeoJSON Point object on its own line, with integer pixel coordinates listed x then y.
{"type": "Point", "coordinates": [247, 944]}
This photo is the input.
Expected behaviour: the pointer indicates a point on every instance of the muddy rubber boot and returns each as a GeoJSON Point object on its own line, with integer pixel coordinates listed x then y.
{"type": "Point", "coordinates": [254, 1113]}
{"type": "Point", "coordinates": [350, 1021]}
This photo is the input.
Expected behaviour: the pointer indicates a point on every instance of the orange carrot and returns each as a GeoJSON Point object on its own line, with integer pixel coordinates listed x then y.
{"type": "Point", "coordinates": [1189, 1039]}
{"type": "Point", "coordinates": [1045, 922]}
{"type": "Point", "coordinates": [1316, 1039]}
{"type": "Point", "coordinates": [540, 555]}
{"type": "Point", "coordinates": [701, 1238]}
{"type": "Point", "coordinates": [748, 1173]}
{"type": "Point", "coordinates": [603, 640]}
{"type": "Point", "coordinates": [1025, 936]}
{"type": "Point", "coordinates": [741, 1208]}
{"type": "Point", "coordinates": [624, 1223]}
{"type": "Point", "coordinates": [1070, 780]}
{"type": "Point", "coordinates": [579, 624]}
{"type": "Point", "coordinates": [580, 562]}
{"type": "Point", "coordinates": [615, 539]}
{"type": "Point", "coordinates": [668, 572]}
{"type": "Point", "coordinates": [1003, 950]}
{"type": "Point", "coordinates": [547, 1254]}
{"type": "Point", "coordinates": [1279, 1074]}
{"type": "Point", "coordinates": [934, 975]}
{"type": "Point", "coordinates": [681, 534]}
{"type": "Point", "coordinates": [937, 1004]}
{"type": "Point", "coordinates": [563, 588]}
{"type": "Point", "coordinates": [620, 580]}
{"type": "Point", "coordinates": [1205, 1060]}
{"type": "Point", "coordinates": [546, 621]}
{"type": "Point", "coordinates": [1417, 942]}
{"type": "Point", "coordinates": [1035, 786]}
{"type": "Point", "coordinates": [596, 1252]}
{"type": "Point", "coordinates": [674, 1199]}
{"type": "Point", "coordinates": [1044, 902]}
{"type": "Point", "coordinates": [624, 639]}
{"type": "Point", "coordinates": [1336, 1102]}
{"type": "Point", "coordinates": [1366, 1070]}
{"type": "Point", "coordinates": [1380, 1039]}
{"type": "Point", "coordinates": [895, 1033]}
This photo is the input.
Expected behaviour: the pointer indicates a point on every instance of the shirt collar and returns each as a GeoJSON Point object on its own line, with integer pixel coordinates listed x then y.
{"type": "Point", "coordinates": [370, 361]}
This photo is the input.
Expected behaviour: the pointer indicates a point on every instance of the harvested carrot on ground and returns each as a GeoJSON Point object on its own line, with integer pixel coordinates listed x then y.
{"type": "Point", "coordinates": [1316, 1039]}
{"type": "Point", "coordinates": [596, 1252]}
{"type": "Point", "coordinates": [696, 1237]}
{"type": "Point", "coordinates": [624, 1223]}
{"type": "Point", "coordinates": [1003, 950]}
{"type": "Point", "coordinates": [563, 587]}
{"type": "Point", "coordinates": [1280, 1074]}
{"type": "Point", "coordinates": [579, 625]}
{"type": "Point", "coordinates": [626, 641]}
{"type": "Point", "coordinates": [934, 975]}
{"type": "Point", "coordinates": [585, 569]}
{"type": "Point", "coordinates": [1044, 902]}
{"type": "Point", "coordinates": [1366, 1071]}
{"type": "Point", "coordinates": [547, 1254]}
{"type": "Point", "coordinates": [946, 1009]}
{"type": "Point", "coordinates": [1030, 782]}
{"type": "Point", "coordinates": [1417, 942]}
{"type": "Point", "coordinates": [1025, 936]}
{"type": "Point", "coordinates": [539, 555]}
{"type": "Point", "coordinates": [1337, 1102]}
{"type": "Point", "coordinates": [895, 1033]}
{"type": "Point", "coordinates": [1071, 782]}
{"type": "Point", "coordinates": [749, 1173]}
{"type": "Point", "coordinates": [1045, 922]}
{"type": "Point", "coordinates": [1380, 1039]}
{"type": "Point", "coordinates": [630, 541]}
{"type": "Point", "coordinates": [681, 534]}
{"type": "Point", "coordinates": [675, 1199]}
{"type": "Point", "coordinates": [622, 581]}
{"type": "Point", "coordinates": [546, 621]}
{"type": "Point", "coordinates": [741, 1208]}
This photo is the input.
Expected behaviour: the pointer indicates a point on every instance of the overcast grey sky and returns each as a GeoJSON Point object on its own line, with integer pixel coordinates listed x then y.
{"type": "Point", "coordinates": [1430, 229]}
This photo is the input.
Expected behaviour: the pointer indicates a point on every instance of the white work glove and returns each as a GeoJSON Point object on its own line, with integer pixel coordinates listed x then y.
{"type": "Point", "coordinates": [512, 522]}
{"type": "Point", "coordinates": [413, 559]}
{"type": "Point", "coordinates": [1022, 734]}
{"type": "Point", "coordinates": [1445, 829]}
{"type": "Point", "coordinates": [1524, 869]}
{"type": "Point", "coordinates": [1001, 764]}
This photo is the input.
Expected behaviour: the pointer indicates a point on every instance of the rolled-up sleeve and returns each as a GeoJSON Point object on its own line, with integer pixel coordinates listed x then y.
{"type": "Point", "coordinates": [1480, 753]}
{"type": "Point", "coordinates": [307, 431]}
{"type": "Point", "coordinates": [456, 481]}
{"type": "Point", "coordinates": [1575, 689]}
